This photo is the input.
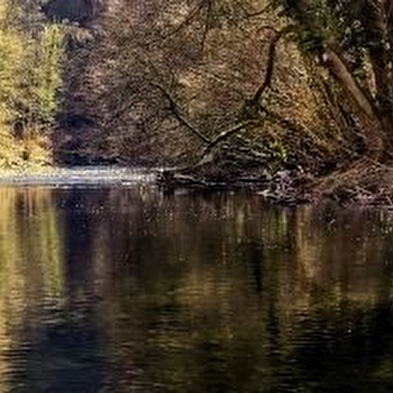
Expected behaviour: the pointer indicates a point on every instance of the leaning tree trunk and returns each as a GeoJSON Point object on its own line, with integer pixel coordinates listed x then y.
{"type": "Point", "coordinates": [378, 25]}
{"type": "Point", "coordinates": [362, 105]}
{"type": "Point", "coordinates": [374, 113]}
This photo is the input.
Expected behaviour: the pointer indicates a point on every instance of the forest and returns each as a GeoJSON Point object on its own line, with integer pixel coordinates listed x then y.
{"type": "Point", "coordinates": [293, 95]}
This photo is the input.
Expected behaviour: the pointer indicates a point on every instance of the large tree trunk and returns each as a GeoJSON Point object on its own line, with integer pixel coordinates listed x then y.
{"type": "Point", "coordinates": [362, 106]}
{"type": "Point", "coordinates": [375, 114]}
{"type": "Point", "coordinates": [377, 22]}
{"type": "Point", "coordinates": [388, 7]}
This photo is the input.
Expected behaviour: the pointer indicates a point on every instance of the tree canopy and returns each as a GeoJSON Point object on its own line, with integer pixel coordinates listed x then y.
{"type": "Point", "coordinates": [302, 85]}
{"type": "Point", "coordinates": [30, 79]}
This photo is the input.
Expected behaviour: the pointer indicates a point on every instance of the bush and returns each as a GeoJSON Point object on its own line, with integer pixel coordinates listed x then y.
{"type": "Point", "coordinates": [30, 81]}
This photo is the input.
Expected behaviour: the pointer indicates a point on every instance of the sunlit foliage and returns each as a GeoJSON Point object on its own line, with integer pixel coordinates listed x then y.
{"type": "Point", "coordinates": [149, 62]}
{"type": "Point", "coordinates": [30, 79]}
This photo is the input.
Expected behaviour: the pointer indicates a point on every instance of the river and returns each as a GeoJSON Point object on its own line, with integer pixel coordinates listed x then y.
{"type": "Point", "coordinates": [110, 285]}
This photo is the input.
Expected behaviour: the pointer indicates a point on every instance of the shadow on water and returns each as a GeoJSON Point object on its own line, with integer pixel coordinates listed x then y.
{"type": "Point", "coordinates": [124, 289]}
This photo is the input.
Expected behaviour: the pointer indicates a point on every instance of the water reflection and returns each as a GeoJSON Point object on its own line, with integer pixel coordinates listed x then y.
{"type": "Point", "coordinates": [127, 290]}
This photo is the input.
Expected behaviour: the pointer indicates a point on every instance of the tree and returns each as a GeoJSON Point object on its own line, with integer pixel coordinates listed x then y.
{"type": "Point", "coordinates": [30, 80]}
{"type": "Point", "coordinates": [175, 80]}
{"type": "Point", "coordinates": [304, 84]}
{"type": "Point", "coordinates": [353, 40]}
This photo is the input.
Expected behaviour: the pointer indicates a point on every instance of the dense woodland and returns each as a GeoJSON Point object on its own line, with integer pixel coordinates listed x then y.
{"type": "Point", "coordinates": [221, 88]}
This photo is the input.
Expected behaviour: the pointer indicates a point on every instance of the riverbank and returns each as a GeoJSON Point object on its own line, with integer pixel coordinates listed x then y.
{"type": "Point", "coordinates": [364, 182]}
{"type": "Point", "coordinates": [284, 187]}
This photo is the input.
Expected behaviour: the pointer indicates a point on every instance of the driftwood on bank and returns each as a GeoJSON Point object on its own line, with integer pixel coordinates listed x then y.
{"type": "Point", "coordinates": [284, 187]}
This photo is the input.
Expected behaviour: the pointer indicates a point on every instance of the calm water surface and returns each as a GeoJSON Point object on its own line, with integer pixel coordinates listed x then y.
{"type": "Point", "coordinates": [119, 288]}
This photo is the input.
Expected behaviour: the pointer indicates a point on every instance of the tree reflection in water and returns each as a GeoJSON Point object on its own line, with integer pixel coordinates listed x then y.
{"type": "Point", "coordinates": [124, 289]}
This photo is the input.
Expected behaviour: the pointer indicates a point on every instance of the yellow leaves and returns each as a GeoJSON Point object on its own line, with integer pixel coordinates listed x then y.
{"type": "Point", "coordinates": [47, 73]}
{"type": "Point", "coordinates": [29, 82]}
{"type": "Point", "coordinates": [12, 52]}
{"type": "Point", "coordinates": [11, 57]}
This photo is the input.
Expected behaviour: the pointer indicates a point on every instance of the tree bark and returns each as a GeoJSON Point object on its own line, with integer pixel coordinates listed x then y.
{"type": "Point", "coordinates": [388, 7]}
{"type": "Point", "coordinates": [362, 105]}
{"type": "Point", "coordinates": [377, 22]}
{"type": "Point", "coordinates": [269, 68]}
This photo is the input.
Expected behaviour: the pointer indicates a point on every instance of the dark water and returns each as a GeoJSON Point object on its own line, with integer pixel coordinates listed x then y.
{"type": "Point", "coordinates": [123, 289]}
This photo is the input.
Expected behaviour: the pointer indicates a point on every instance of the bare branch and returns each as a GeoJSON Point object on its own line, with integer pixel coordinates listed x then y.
{"type": "Point", "coordinates": [270, 66]}
{"type": "Point", "coordinates": [255, 13]}
{"type": "Point", "coordinates": [178, 115]}
{"type": "Point", "coordinates": [226, 134]}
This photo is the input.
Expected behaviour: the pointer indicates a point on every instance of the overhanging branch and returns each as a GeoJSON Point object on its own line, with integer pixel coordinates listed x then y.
{"type": "Point", "coordinates": [253, 14]}
{"type": "Point", "coordinates": [179, 116]}
{"type": "Point", "coordinates": [270, 66]}
{"type": "Point", "coordinates": [226, 134]}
